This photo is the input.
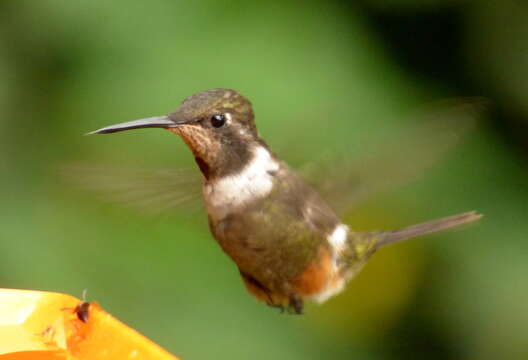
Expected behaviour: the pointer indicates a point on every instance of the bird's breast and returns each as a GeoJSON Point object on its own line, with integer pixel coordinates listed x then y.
{"type": "Point", "coordinates": [229, 193]}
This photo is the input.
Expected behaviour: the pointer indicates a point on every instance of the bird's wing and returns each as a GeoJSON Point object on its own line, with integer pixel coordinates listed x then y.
{"type": "Point", "coordinates": [400, 159]}
{"type": "Point", "coordinates": [150, 191]}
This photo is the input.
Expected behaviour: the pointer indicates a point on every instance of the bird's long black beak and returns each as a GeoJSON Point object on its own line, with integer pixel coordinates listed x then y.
{"type": "Point", "coordinates": [152, 122]}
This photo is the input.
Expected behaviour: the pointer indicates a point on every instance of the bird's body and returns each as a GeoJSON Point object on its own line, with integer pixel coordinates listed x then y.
{"type": "Point", "coordinates": [274, 226]}
{"type": "Point", "coordinates": [288, 244]}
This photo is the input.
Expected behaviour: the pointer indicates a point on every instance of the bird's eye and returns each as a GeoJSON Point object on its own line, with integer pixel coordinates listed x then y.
{"type": "Point", "coordinates": [218, 120]}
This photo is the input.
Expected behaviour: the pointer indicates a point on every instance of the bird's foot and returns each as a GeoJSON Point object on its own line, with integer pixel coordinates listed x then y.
{"type": "Point", "coordinates": [295, 305]}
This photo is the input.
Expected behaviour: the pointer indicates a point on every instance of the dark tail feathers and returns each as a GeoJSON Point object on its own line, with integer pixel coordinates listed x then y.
{"type": "Point", "coordinates": [427, 227]}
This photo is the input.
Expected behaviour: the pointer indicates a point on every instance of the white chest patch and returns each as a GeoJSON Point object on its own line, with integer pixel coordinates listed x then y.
{"type": "Point", "coordinates": [335, 283]}
{"type": "Point", "coordinates": [228, 193]}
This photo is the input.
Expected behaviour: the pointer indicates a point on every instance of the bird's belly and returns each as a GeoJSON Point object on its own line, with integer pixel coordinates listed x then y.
{"type": "Point", "coordinates": [281, 266]}
{"type": "Point", "coordinates": [272, 248]}
{"type": "Point", "coordinates": [278, 241]}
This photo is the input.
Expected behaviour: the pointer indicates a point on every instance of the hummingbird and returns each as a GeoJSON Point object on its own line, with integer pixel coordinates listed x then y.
{"type": "Point", "coordinates": [289, 245]}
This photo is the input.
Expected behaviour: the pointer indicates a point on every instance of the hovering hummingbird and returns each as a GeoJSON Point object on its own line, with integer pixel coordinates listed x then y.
{"type": "Point", "coordinates": [289, 245]}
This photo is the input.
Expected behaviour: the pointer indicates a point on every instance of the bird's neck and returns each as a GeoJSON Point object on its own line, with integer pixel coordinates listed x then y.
{"type": "Point", "coordinates": [232, 159]}
{"type": "Point", "coordinates": [254, 180]}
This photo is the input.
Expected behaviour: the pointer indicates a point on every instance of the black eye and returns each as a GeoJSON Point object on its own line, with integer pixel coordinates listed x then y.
{"type": "Point", "coordinates": [218, 120]}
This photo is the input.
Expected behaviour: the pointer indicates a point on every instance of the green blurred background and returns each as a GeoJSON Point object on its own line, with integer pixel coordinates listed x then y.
{"type": "Point", "coordinates": [321, 75]}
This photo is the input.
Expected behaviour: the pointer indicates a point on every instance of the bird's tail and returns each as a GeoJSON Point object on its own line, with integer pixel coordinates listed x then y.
{"type": "Point", "coordinates": [427, 227]}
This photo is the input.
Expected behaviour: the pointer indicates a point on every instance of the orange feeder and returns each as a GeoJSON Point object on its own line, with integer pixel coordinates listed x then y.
{"type": "Point", "coordinates": [41, 325]}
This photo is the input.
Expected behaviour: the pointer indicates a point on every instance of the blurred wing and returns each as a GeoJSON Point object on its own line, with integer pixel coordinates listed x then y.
{"type": "Point", "coordinates": [147, 190]}
{"type": "Point", "coordinates": [346, 182]}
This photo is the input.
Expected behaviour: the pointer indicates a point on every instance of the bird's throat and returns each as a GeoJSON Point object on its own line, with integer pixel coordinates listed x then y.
{"type": "Point", "coordinates": [215, 158]}
{"type": "Point", "coordinates": [200, 146]}
{"type": "Point", "coordinates": [204, 167]}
